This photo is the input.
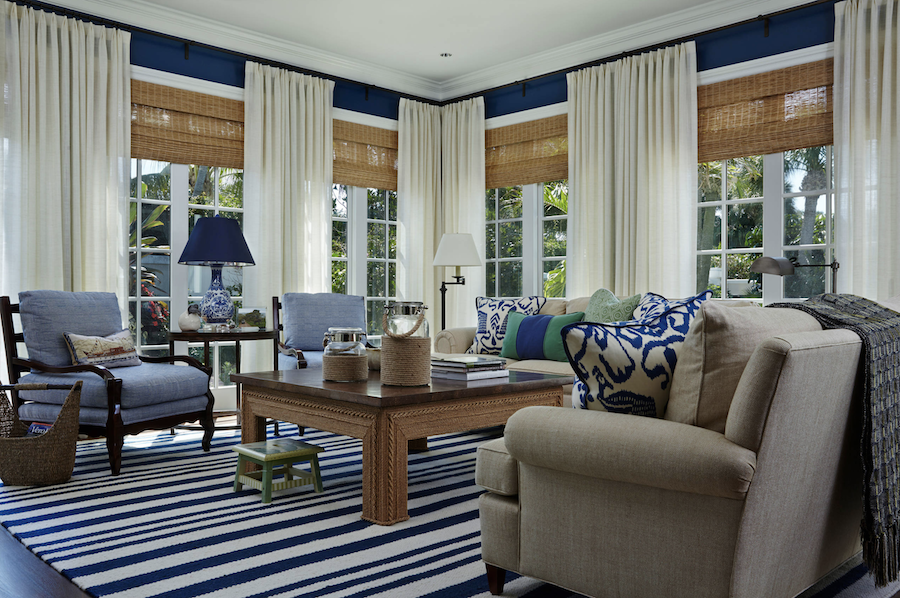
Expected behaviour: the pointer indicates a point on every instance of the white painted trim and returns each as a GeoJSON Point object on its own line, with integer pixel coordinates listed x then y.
{"type": "Point", "coordinates": [525, 116]}
{"type": "Point", "coordinates": [361, 118]}
{"type": "Point", "coordinates": [769, 63]}
{"type": "Point", "coordinates": [187, 83]}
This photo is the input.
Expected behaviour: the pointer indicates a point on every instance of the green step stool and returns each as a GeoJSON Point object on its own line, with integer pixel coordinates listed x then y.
{"type": "Point", "coordinates": [276, 457]}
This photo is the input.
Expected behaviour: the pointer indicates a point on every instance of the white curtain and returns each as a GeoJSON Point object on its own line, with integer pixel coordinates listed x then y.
{"type": "Point", "coordinates": [867, 147]}
{"type": "Point", "coordinates": [463, 199]}
{"type": "Point", "coordinates": [418, 204]}
{"type": "Point", "coordinates": [633, 175]}
{"type": "Point", "coordinates": [64, 160]}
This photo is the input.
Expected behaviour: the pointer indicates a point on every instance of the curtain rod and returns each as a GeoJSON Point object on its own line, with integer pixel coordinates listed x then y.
{"type": "Point", "coordinates": [82, 16]}
{"type": "Point", "coordinates": [188, 43]}
{"type": "Point", "coordinates": [764, 18]}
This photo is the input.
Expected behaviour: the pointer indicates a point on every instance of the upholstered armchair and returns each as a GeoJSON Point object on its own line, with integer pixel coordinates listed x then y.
{"type": "Point", "coordinates": [304, 318]}
{"type": "Point", "coordinates": [764, 503]}
{"type": "Point", "coordinates": [79, 336]}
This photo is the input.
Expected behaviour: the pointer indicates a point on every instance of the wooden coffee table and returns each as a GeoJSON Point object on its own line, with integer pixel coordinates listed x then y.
{"type": "Point", "coordinates": [387, 418]}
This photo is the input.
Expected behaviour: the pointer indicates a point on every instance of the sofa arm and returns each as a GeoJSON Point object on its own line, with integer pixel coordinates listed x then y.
{"type": "Point", "coordinates": [454, 340]}
{"type": "Point", "coordinates": [631, 449]}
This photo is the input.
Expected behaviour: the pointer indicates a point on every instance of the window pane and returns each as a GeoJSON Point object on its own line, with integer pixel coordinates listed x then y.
{"type": "Point", "coordinates": [155, 226]}
{"type": "Point", "coordinates": [490, 205]}
{"type": "Point", "coordinates": [510, 200]}
{"type": "Point", "coordinates": [156, 180]}
{"type": "Point", "coordinates": [132, 273]}
{"type": "Point", "coordinates": [339, 201]}
{"type": "Point", "coordinates": [806, 282]}
{"type": "Point", "coordinates": [377, 206]}
{"type": "Point", "coordinates": [745, 225]}
{"type": "Point", "coordinates": [554, 237]}
{"type": "Point", "coordinates": [490, 275]}
{"type": "Point", "coordinates": [709, 228]}
{"type": "Point", "coordinates": [201, 188]}
{"type": "Point", "coordinates": [392, 241]}
{"type": "Point", "coordinates": [709, 181]}
{"type": "Point", "coordinates": [196, 353]}
{"type": "Point", "coordinates": [375, 278]}
{"type": "Point", "coordinates": [339, 277]}
{"type": "Point", "coordinates": [231, 187]}
{"type": "Point", "coordinates": [374, 313]}
{"type": "Point", "coordinates": [744, 177]}
{"type": "Point", "coordinates": [556, 198]}
{"type": "Point", "coordinates": [510, 279]}
{"type": "Point", "coordinates": [377, 240]}
{"type": "Point", "coordinates": [555, 278]}
{"type": "Point", "coordinates": [741, 281]}
{"type": "Point", "coordinates": [338, 238]}
{"type": "Point", "coordinates": [804, 220]}
{"type": "Point", "coordinates": [709, 274]}
{"type": "Point", "coordinates": [226, 364]}
{"type": "Point", "coordinates": [511, 239]}
{"type": "Point", "coordinates": [804, 169]}
{"type": "Point", "coordinates": [154, 322]}
{"type": "Point", "coordinates": [392, 205]}
{"type": "Point", "coordinates": [233, 281]}
{"type": "Point", "coordinates": [199, 278]}
{"type": "Point", "coordinates": [133, 182]}
{"type": "Point", "coordinates": [392, 279]}
{"type": "Point", "coordinates": [155, 271]}
{"type": "Point", "coordinates": [490, 241]}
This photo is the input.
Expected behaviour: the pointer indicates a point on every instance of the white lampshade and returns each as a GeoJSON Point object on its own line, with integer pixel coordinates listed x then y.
{"type": "Point", "coordinates": [457, 249]}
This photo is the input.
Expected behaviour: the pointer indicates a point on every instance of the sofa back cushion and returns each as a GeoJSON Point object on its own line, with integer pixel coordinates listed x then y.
{"type": "Point", "coordinates": [716, 351]}
{"type": "Point", "coordinates": [48, 315]}
{"type": "Point", "coordinates": [308, 316]}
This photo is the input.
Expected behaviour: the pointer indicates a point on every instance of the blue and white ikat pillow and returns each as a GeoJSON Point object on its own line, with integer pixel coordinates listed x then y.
{"type": "Point", "coordinates": [626, 367]}
{"type": "Point", "coordinates": [491, 329]}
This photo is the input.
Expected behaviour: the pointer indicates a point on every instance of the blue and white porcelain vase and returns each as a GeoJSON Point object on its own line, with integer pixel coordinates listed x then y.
{"type": "Point", "coordinates": [216, 307]}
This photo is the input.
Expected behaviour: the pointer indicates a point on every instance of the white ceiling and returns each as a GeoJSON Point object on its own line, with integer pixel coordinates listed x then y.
{"type": "Point", "coordinates": [397, 43]}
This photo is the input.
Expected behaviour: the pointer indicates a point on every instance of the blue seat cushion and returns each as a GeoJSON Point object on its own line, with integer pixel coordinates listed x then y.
{"type": "Point", "coordinates": [150, 384]}
{"type": "Point", "coordinates": [313, 360]}
{"type": "Point", "coordinates": [47, 315]}
{"type": "Point", "coordinates": [308, 316]}
{"type": "Point", "coordinates": [95, 416]}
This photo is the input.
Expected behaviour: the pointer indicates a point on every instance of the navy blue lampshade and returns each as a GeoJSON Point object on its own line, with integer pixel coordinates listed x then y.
{"type": "Point", "coordinates": [216, 240]}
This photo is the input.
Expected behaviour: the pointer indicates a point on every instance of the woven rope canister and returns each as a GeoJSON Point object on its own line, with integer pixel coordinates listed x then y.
{"type": "Point", "coordinates": [345, 368]}
{"type": "Point", "coordinates": [405, 360]}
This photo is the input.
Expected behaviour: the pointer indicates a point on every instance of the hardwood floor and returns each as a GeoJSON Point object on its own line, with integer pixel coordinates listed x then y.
{"type": "Point", "coordinates": [25, 575]}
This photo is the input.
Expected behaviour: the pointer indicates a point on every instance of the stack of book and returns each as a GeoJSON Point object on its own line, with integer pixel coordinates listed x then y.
{"type": "Point", "coordinates": [468, 367]}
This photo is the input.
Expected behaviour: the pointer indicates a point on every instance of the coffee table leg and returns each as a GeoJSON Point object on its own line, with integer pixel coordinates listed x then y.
{"type": "Point", "coordinates": [385, 465]}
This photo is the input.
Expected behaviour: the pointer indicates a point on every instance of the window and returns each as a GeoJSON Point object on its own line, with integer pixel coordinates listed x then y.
{"type": "Point", "coordinates": [170, 198]}
{"type": "Point", "coordinates": [364, 247]}
{"type": "Point", "coordinates": [525, 238]}
{"type": "Point", "coordinates": [776, 205]}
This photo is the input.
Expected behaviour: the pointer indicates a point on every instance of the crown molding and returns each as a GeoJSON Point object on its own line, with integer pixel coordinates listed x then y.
{"type": "Point", "coordinates": [684, 23]}
{"type": "Point", "coordinates": [207, 31]}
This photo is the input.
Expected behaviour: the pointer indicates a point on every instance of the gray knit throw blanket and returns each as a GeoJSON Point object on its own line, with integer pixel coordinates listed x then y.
{"type": "Point", "coordinates": [879, 386]}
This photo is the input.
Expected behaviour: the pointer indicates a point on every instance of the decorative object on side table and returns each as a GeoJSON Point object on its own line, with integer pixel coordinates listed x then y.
{"type": "Point", "coordinates": [251, 317]}
{"type": "Point", "coordinates": [190, 320]}
{"type": "Point", "coordinates": [406, 346]}
{"type": "Point", "coordinates": [455, 249]}
{"type": "Point", "coordinates": [345, 358]}
{"type": "Point", "coordinates": [216, 242]}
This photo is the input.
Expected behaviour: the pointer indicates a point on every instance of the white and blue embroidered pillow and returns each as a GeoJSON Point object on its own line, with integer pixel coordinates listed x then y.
{"type": "Point", "coordinates": [626, 367]}
{"type": "Point", "coordinates": [492, 314]}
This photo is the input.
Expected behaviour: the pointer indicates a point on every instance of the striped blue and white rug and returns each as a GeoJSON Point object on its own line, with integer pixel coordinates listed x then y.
{"type": "Point", "coordinates": [170, 525]}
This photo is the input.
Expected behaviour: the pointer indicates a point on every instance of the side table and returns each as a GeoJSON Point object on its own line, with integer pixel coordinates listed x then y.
{"type": "Point", "coordinates": [234, 335]}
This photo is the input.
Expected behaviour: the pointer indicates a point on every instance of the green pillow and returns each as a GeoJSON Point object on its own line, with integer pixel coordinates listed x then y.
{"type": "Point", "coordinates": [536, 337]}
{"type": "Point", "coordinates": [604, 306]}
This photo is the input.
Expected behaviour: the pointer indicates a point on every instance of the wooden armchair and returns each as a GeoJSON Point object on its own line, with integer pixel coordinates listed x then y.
{"type": "Point", "coordinates": [154, 393]}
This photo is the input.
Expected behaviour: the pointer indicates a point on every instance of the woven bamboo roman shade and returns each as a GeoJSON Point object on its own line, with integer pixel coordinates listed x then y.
{"type": "Point", "coordinates": [766, 113]}
{"type": "Point", "coordinates": [365, 156]}
{"type": "Point", "coordinates": [531, 152]}
{"type": "Point", "coordinates": [185, 127]}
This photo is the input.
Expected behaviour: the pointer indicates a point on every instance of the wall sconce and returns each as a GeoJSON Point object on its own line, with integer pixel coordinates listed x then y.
{"type": "Point", "coordinates": [455, 249]}
{"type": "Point", "coordinates": [782, 266]}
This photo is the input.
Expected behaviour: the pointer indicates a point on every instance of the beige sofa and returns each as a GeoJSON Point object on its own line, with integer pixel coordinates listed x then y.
{"type": "Point", "coordinates": [457, 340]}
{"type": "Point", "coordinates": [763, 501]}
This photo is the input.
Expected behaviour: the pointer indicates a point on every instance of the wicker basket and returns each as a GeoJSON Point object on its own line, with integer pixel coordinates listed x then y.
{"type": "Point", "coordinates": [405, 360]}
{"type": "Point", "coordinates": [38, 460]}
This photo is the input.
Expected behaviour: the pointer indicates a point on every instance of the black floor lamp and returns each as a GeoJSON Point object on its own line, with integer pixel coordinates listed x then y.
{"type": "Point", "coordinates": [783, 266]}
{"type": "Point", "coordinates": [455, 250]}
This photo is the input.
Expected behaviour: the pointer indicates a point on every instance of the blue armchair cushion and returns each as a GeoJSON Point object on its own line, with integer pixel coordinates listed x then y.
{"type": "Point", "coordinates": [308, 316]}
{"type": "Point", "coordinates": [113, 351]}
{"type": "Point", "coordinates": [47, 315]}
{"type": "Point", "coordinates": [627, 367]}
{"type": "Point", "coordinates": [150, 384]}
